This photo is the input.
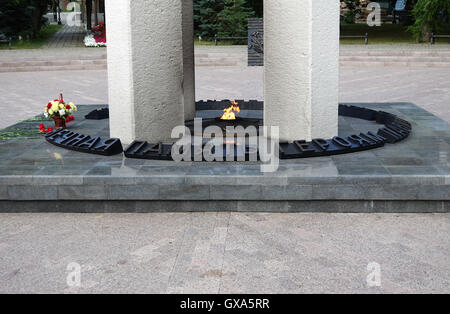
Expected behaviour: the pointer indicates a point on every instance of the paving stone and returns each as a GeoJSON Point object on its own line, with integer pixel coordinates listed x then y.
{"type": "Point", "coordinates": [418, 179]}
{"type": "Point", "coordinates": [433, 192]}
{"type": "Point", "coordinates": [338, 192]}
{"type": "Point", "coordinates": [263, 206]}
{"type": "Point", "coordinates": [418, 206]}
{"type": "Point", "coordinates": [57, 180]}
{"type": "Point", "coordinates": [287, 192]}
{"type": "Point", "coordinates": [186, 206]}
{"type": "Point", "coordinates": [52, 207]}
{"type": "Point", "coordinates": [367, 180]}
{"type": "Point", "coordinates": [306, 180]}
{"type": "Point", "coordinates": [349, 169]}
{"type": "Point", "coordinates": [368, 206]}
{"type": "Point", "coordinates": [8, 180]}
{"type": "Point", "coordinates": [133, 192]}
{"type": "Point", "coordinates": [84, 192]}
{"type": "Point", "coordinates": [127, 206]}
{"type": "Point", "coordinates": [32, 192]}
{"type": "Point", "coordinates": [234, 192]}
{"type": "Point", "coordinates": [184, 192]}
{"type": "Point", "coordinates": [3, 192]}
{"type": "Point", "coordinates": [327, 206]}
{"type": "Point", "coordinates": [391, 192]}
{"type": "Point", "coordinates": [418, 170]}
{"type": "Point", "coordinates": [161, 179]}
{"type": "Point", "coordinates": [104, 179]}
{"type": "Point", "coordinates": [365, 192]}
{"type": "Point", "coordinates": [316, 206]}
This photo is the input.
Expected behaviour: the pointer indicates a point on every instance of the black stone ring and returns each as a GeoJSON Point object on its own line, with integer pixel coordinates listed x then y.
{"type": "Point", "coordinates": [394, 130]}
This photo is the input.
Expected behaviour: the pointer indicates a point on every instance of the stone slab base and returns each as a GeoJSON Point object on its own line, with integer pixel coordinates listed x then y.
{"type": "Point", "coordinates": [328, 206]}
{"type": "Point", "coordinates": [407, 177]}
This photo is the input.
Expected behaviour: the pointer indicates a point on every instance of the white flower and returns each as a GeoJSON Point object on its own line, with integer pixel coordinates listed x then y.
{"type": "Point", "coordinates": [62, 112]}
{"type": "Point", "coordinates": [46, 114]}
{"type": "Point", "coordinates": [89, 41]}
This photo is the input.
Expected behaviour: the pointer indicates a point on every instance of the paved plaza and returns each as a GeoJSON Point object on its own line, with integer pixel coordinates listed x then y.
{"type": "Point", "coordinates": [67, 37]}
{"type": "Point", "coordinates": [428, 89]}
{"type": "Point", "coordinates": [224, 253]}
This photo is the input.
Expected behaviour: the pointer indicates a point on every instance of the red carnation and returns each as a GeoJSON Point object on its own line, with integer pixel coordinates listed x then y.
{"type": "Point", "coordinates": [49, 130]}
{"type": "Point", "coordinates": [41, 126]}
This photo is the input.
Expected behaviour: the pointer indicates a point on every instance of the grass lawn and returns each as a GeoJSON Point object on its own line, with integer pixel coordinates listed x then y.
{"type": "Point", "coordinates": [384, 34]}
{"type": "Point", "coordinates": [40, 40]}
{"type": "Point", "coordinates": [220, 42]}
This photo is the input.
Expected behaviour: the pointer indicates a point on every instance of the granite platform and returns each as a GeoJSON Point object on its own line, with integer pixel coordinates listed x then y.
{"type": "Point", "coordinates": [410, 176]}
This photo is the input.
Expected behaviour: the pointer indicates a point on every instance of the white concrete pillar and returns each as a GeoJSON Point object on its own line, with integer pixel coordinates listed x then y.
{"type": "Point", "coordinates": [301, 74]}
{"type": "Point", "coordinates": [188, 59]}
{"type": "Point", "coordinates": [145, 68]}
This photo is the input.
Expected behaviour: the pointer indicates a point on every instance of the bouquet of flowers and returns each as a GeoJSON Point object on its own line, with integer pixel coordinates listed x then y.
{"type": "Point", "coordinates": [60, 111]}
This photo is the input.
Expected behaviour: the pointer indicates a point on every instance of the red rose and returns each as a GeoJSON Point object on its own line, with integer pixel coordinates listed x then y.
{"type": "Point", "coordinates": [41, 126]}
{"type": "Point", "coordinates": [49, 130]}
{"type": "Point", "coordinates": [67, 107]}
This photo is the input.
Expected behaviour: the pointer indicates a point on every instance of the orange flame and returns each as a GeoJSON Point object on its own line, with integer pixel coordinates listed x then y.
{"type": "Point", "coordinates": [229, 113]}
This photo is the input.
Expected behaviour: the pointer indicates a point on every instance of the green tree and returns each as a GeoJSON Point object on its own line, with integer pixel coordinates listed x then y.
{"type": "Point", "coordinates": [22, 17]}
{"type": "Point", "coordinates": [205, 17]}
{"type": "Point", "coordinates": [15, 17]}
{"type": "Point", "coordinates": [233, 19]}
{"type": "Point", "coordinates": [257, 6]}
{"type": "Point", "coordinates": [430, 16]}
{"type": "Point", "coordinates": [353, 7]}
{"type": "Point", "coordinates": [38, 19]}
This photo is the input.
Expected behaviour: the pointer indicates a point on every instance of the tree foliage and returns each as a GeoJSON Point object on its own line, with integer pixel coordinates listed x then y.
{"type": "Point", "coordinates": [223, 17]}
{"type": "Point", "coordinates": [233, 20]}
{"type": "Point", "coordinates": [430, 16]}
{"type": "Point", "coordinates": [206, 17]}
{"type": "Point", "coordinates": [22, 17]}
{"type": "Point", "coordinates": [353, 7]}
